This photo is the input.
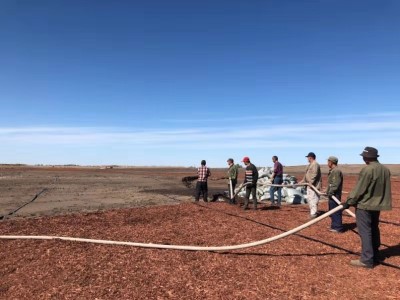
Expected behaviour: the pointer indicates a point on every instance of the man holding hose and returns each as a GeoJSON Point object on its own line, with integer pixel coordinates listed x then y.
{"type": "Point", "coordinates": [371, 195]}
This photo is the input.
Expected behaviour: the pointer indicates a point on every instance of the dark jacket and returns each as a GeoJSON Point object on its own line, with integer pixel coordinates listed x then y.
{"type": "Point", "coordinates": [335, 183]}
{"type": "Point", "coordinates": [373, 189]}
{"type": "Point", "coordinates": [251, 174]}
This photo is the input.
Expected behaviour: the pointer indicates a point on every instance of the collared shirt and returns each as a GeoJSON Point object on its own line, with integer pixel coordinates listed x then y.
{"type": "Point", "coordinates": [278, 169]}
{"type": "Point", "coordinates": [313, 175]}
{"type": "Point", "coordinates": [203, 173]}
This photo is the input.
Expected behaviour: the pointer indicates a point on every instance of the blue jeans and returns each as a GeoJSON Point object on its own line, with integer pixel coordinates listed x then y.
{"type": "Point", "coordinates": [336, 218]}
{"type": "Point", "coordinates": [277, 180]}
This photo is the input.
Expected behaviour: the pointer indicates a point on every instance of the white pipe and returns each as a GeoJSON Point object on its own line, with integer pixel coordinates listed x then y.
{"type": "Point", "coordinates": [177, 247]}
{"type": "Point", "coordinates": [315, 189]}
{"type": "Point", "coordinates": [230, 189]}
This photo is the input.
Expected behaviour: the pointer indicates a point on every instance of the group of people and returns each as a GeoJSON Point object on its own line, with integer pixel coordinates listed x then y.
{"type": "Point", "coordinates": [371, 194]}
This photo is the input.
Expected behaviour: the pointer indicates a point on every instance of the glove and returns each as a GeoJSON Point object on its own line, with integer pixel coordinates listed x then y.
{"type": "Point", "coordinates": [345, 205]}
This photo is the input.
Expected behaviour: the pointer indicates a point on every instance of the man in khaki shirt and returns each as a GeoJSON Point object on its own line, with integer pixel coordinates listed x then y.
{"type": "Point", "coordinates": [313, 176]}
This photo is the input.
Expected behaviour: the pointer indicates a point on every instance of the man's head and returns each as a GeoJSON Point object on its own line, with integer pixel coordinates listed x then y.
{"type": "Point", "coordinates": [370, 154]}
{"type": "Point", "coordinates": [230, 161]}
{"type": "Point", "coordinates": [311, 157]}
{"type": "Point", "coordinates": [203, 162]}
{"type": "Point", "coordinates": [332, 161]}
{"type": "Point", "coordinates": [274, 158]}
{"type": "Point", "coordinates": [246, 160]}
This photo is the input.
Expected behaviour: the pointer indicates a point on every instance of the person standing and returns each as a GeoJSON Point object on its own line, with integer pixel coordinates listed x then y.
{"type": "Point", "coordinates": [334, 189]}
{"type": "Point", "coordinates": [313, 177]}
{"type": "Point", "coordinates": [203, 173]}
{"type": "Point", "coordinates": [370, 196]}
{"type": "Point", "coordinates": [277, 178]}
{"type": "Point", "coordinates": [232, 177]}
{"type": "Point", "coordinates": [251, 178]}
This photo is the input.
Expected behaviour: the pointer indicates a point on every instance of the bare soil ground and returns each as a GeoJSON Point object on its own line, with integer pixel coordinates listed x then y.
{"type": "Point", "coordinates": [151, 205]}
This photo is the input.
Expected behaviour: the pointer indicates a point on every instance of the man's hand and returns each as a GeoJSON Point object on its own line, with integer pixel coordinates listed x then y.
{"type": "Point", "coordinates": [345, 205]}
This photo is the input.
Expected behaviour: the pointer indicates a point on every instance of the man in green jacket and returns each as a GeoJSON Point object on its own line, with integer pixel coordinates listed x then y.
{"type": "Point", "coordinates": [334, 189]}
{"type": "Point", "coordinates": [232, 177]}
{"type": "Point", "coordinates": [371, 195]}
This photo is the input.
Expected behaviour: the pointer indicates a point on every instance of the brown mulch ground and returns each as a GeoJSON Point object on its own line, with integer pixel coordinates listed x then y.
{"type": "Point", "coordinates": [313, 264]}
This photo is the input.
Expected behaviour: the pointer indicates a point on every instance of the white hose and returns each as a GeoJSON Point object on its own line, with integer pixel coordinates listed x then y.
{"type": "Point", "coordinates": [176, 247]}
{"type": "Point", "coordinates": [314, 188]}
{"type": "Point", "coordinates": [230, 188]}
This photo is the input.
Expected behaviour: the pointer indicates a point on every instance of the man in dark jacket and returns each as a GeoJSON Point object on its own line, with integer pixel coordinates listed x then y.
{"type": "Point", "coordinates": [371, 195]}
{"type": "Point", "coordinates": [334, 189]}
{"type": "Point", "coordinates": [232, 177]}
{"type": "Point", "coordinates": [251, 178]}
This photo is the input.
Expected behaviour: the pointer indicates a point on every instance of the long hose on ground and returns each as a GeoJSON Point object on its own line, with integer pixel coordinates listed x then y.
{"type": "Point", "coordinates": [191, 248]}
{"type": "Point", "coordinates": [178, 247]}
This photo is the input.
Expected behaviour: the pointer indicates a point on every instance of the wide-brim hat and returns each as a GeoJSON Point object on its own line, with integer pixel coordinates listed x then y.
{"type": "Point", "coordinates": [370, 152]}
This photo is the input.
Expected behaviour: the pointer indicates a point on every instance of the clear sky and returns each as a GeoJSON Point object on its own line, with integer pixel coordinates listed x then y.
{"type": "Point", "coordinates": [174, 82]}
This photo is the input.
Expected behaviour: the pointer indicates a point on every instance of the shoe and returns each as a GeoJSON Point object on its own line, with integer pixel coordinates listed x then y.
{"type": "Point", "coordinates": [313, 216]}
{"type": "Point", "coordinates": [358, 263]}
{"type": "Point", "coordinates": [335, 230]}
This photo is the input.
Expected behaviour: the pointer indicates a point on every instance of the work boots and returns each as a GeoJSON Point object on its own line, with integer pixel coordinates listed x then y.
{"type": "Point", "coordinates": [246, 204]}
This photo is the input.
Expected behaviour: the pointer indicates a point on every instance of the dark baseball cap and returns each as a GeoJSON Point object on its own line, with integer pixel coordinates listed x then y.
{"type": "Point", "coordinates": [370, 152]}
{"type": "Point", "coordinates": [311, 154]}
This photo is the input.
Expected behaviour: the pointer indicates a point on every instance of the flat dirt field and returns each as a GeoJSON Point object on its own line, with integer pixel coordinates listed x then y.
{"type": "Point", "coordinates": [151, 205]}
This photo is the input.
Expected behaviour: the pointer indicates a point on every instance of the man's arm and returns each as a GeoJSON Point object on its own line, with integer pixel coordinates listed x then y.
{"type": "Point", "coordinates": [360, 189]}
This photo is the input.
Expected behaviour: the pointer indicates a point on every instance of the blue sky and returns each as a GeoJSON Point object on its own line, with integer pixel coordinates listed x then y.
{"type": "Point", "coordinates": [174, 82]}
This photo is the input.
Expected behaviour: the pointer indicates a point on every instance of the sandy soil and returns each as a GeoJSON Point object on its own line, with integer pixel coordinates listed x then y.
{"type": "Point", "coordinates": [151, 205]}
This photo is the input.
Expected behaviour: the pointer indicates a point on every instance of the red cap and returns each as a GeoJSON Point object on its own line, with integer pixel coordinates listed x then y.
{"type": "Point", "coordinates": [246, 159]}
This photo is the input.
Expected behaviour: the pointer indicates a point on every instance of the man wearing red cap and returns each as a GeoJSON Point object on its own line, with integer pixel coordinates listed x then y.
{"type": "Point", "coordinates": [251, 178]}
{"type": "Point", "coordinates": [371, 195]}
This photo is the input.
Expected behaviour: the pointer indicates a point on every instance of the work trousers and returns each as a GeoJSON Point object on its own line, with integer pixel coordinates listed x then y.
{"type": "Point", "coordinates": [201, 188]}
{"type": "Point", "coordinates": [251, 189]}
{"type": "Point", "coordinates": [312, 199]}
{"type": "Point", "coordinates": [368, 229]}
{"type": "Point", "coordinates": [336, 218]}
{"type": "Point", "coordinates": [277, 180]}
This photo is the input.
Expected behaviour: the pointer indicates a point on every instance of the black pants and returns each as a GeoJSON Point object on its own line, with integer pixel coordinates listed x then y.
{"type": "Point", "coordinates": [201, 188]}
{"type": "Point", "coordinates": [251, 189]}
{"type": "Point", "coordinates": [368, 229]}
